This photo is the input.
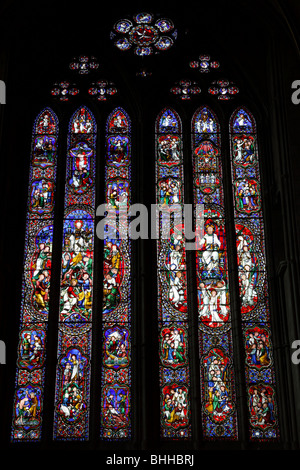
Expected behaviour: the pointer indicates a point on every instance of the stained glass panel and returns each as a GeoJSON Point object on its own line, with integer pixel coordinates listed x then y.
{"type": "Point", "coordinates": [29, 388]}
{"type": "Point", "coordinates": [72, 393]}
{"type": "Point", "coordinates": [219, 415]}
{"type": "Point", "coordinates": [175, 411]}
{"type": "Point", "coordinates": [252, 275]}
{"type": "Point", "coordinates": [116, 400]}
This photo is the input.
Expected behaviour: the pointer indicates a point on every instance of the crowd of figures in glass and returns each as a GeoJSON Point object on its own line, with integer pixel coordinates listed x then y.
{"type": "Point", "coordinates": [71, 417]}
{"type": "Point", "coordinates": [172, 287]}
{"type": "Point", "coordinates": [116, 309]}
{"type": "Point", "coordinates": [219, 416]}
{"type": "Point", "coordinates": [29, 393]}
{"type": "Point", "coordinates": [252, 275]}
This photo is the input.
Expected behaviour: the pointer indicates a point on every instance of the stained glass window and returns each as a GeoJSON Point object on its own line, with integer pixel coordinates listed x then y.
{"type": "Point", "coordinates": [29, 393]}
{"type": "Point", "coordinates": [144, 34]}
{"type": "Point", "coordinates": [72, 394]}
{"type": "Point", "coordinates": [116, 402]}
{"type": "Point", "coordinates": [63, 90]}
{"type": "Point", "coordinates": [102, 89]}
{"type": "Point", "coordinates": [219, 415]}
{"type": "Point", "coordinates": [204, 64]}
{"type": "Point", "coordinates": [252, 276]}
{"type": "Point", "coordinates": [175, 418]}
{"type": "Point", "coordinates": [223, 89]}
{"type": "Point", "coordinates": [185, 89]}
{"type": "Point", "coordinates": [218, 320]}
{"type": "Point", "coordinates": [84, 64]}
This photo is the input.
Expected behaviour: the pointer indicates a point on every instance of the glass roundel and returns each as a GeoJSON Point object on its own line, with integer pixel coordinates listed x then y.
{"type": "Point", "coordinates": [185, 89]}
{"type": "Point", "coordinates": [204, 64]}
{"type": "Point", "coordinates": [164, 25]}
{"type": "Point", "coordinates": [143, 18]}
{"type": "Point", "coordinates": [224, 89]}
{"type": "Point", "coordinates": [144, 33]}
{"type": "Point", "coordinates": [123, 26]}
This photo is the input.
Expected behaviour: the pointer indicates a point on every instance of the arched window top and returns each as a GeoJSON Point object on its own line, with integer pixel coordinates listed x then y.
{"type": "Point", "coordinates": [118, 122]}
{"type": "Point", "coordinates": [205, 121]}
{"type": "Point", "coordinates": [169, 140]}
{"type": "Point", "coordinates": [118, 138]}
{"type": "Point", "coordinates": [78, 218]}
{"type": "Point", "coordinates": [82, 122]}
{"type": "Point", "coordinates": [242, 121]}
{"type": "Point", "coordinates": [46, 122]}
{"type": "Point", "coordinates": [168, 121]}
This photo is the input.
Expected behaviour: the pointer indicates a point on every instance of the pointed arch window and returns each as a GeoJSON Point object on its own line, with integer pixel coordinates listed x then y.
{"type": "Point", "coordinates": [34, 315]}
{"type": "Point", "coordinates": [214, 312]}
{"type": "Point", "coordinates": [219, 371]}
{"type": "Point", "coordinates": [179, 308]}
{"type": "Point", "coordinates": [72, 394]}
{"type": "Point", "coordinates": [172, 280]}
{"type": "Point", "coordinates": [252, 275]}
{"type": "Point", "coordinates": [116, 401]}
